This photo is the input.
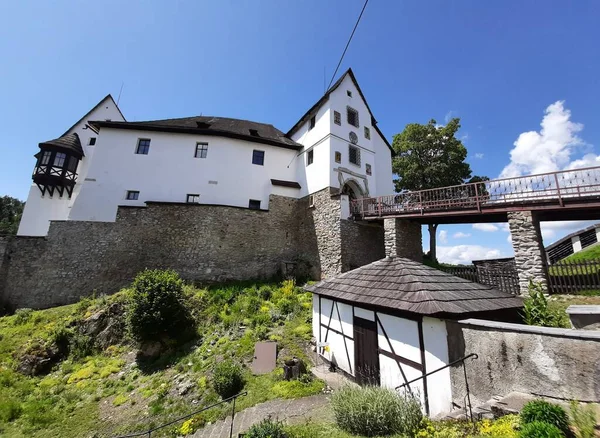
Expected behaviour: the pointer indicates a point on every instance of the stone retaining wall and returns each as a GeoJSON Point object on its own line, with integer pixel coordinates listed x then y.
{"type": "Point", "coordinates": [362, 243]}
{"type": "Point", "coordinates": [548, 362]}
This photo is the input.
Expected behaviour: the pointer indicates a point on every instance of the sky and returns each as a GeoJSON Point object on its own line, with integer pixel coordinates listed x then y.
{"type": "Point", "coordinates": [522, 76]}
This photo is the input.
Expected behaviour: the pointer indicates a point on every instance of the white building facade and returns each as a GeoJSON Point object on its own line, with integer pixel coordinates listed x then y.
{"type": "Point", "coordinates": [103, 162]}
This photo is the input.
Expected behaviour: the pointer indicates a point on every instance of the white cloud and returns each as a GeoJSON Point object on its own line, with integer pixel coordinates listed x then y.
{"type": "Point", "coordinates": [443, 235]}
{"type": "Point", "coordinates": [504, 226]}
{"type": "Point", "coordinates": [465, 254]}
{"type": "Point", "coordinates": [461, 235]}
{"type": "Point", "coordinates": [488, 228]}
{"type": "Point", "coordinates": [479, 155]}
{"type": "Point", "coordinates": [509, 238]}
{"type": "Point", "coordinates": [553, 231]}
{"type": "Point", "coordinates": [449, 116]}
{"type": "Point", "coordinates": [551, 148]}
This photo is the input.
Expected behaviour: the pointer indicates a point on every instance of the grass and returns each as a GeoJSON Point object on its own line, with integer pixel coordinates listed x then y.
{"type": "Point", "coordinates": [109, 393]}
{"type": "Point", "coordinates": [591, 253]}
{"type": "Point", "coordinates": [559, 304]}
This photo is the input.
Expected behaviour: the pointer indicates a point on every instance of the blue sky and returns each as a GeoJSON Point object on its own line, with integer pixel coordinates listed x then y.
{"type": "Point", "coordinates": [497, 65]}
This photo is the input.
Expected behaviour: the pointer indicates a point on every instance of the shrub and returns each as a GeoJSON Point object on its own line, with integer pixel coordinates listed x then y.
{"type": "Point", "coordinates": [372, 411]}
{"type": "Point", "coordinates": [192, 425]}
{"type": "Point", "coordinates": [536, 310]}
{"type": "Point", "coordinates": [584, 420]}
{"type": "Point", "coordinates": [228, 379]}
{"type": "Point", "coordinates": [542, 411]}
{"type": "Point", "coordinates": [158, 307]}
{"type": "Point", "coordinates": [10, 410]}
{"type": "Point", "coordinates": [506, 426]}
{"type": "Point", "coordinates": [539, 429]}
{"type": "Point", "coordinates": [22, 316]}
{"type": "Point", "coordinates": [81, 346]}
{"type": "Point", "coordinates": [266, 429]}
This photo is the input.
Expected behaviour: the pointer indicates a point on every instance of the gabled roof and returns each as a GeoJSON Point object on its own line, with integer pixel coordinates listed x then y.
{"type": "Point", "coordinates": [68, 143]}
{"type": "Point", "coordinates": [108, 96]}
{"type": "Point", "coordinates": [324, 99]}
{"type": "Point", "coordinates": [404, 285]}
{"type": "Point", "coordinates": [208, 125]}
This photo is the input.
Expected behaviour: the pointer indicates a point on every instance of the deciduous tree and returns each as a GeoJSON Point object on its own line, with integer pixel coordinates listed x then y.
{"type": "Point", "coordinates": [11, 210]}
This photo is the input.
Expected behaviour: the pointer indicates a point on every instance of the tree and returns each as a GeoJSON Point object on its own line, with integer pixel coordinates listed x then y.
{"type": "Point", "coordinates": [11, 210]}
{"type": "Point", "coordinates": [430, 156]}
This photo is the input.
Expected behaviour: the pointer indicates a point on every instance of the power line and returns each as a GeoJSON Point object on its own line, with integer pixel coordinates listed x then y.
{"type": "Point", "coordinates": [347, 44]}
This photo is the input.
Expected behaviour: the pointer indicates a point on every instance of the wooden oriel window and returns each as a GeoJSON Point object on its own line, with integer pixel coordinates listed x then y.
{"type": "Point", "coordinates": [352, 116]}
{"type": "Point", "coordinates": [59, 159]}
{"type": "Point", "coordinates": [45, 158]}
{"type": "Point", "coordinates": [143, 146]}
{"type": "Point", "coordinates": [201, 150]}
{"type": "Point", "coordinates": [132, 195]}
{"type": "Point", "coordinates": [258, 157]}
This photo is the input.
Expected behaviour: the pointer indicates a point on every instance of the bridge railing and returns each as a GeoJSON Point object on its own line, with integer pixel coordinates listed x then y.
{"type": "Point", "coordinates": [553, 187]}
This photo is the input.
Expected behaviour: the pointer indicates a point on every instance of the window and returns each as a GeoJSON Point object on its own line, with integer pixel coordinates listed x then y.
{"type": "Point", "coordinates": [45, 158]}
{"type": "Point", "coordinates": [59, 159]}
{"type": "Point", "coordinates": [313, 122]}
{"type": "Point", "coordinates": [193, 199]}
{"type": "Point", "coordinates": [254, 133]}
{"type": "Point", "coordinates": [258, 157]}
{"type": "Point", "coordinates": [201, 150]}
{"type": "Point", "coordinates": [311, 201]}
{"type": "Point", "coordinates": [72, 164]}
{"type": "Point", "coordinates": [338, 157]}
{"type": "Point", "coordinates": [132, 195]}
{"type": "Point", "coordinates": [254, 204]}
{"type": "Point", "coordinates": [367, 133]}
{"type": "Point", "coordinates": [354, 154]}
{"type": "Point", "coordinates": [369, 170]}
{"type": "Point", "coordinates": [310, 157]}
{"type": "Point", "coordinates": [353, 117]}
{"type": "Point", "coordinates": [349, 93]}
{"type": "Point", "coordinates": [337, 118]}
{"type": "Point", "coordinates": [143, 146]}
{"type": "Point", "coordinates": [92, 141]}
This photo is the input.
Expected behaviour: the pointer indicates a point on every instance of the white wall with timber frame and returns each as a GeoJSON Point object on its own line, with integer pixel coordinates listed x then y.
{"type": "Point", "coordinates": [408, 346]}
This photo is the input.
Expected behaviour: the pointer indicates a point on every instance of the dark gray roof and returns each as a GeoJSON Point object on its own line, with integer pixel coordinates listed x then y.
{"type": "Point", "coordinates": [69, 143]}
{"type": "Point", "coordinates": [404, 285]}
{"type": "Point", "coordinates": [108, 96]}
{"type": "Point", "coordinates": [208, 125]}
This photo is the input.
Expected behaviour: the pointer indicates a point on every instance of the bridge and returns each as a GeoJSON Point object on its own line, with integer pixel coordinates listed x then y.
{"type": "Point", "coordinates": [565, 195]}
{"type": "Point", "coordinates": [522, 201]}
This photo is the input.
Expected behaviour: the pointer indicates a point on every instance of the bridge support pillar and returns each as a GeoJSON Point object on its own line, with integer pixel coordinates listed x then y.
{"type": "Point", "coordinates": [403, 239]}
{"type": "Point", "coordinates": [529, 251]}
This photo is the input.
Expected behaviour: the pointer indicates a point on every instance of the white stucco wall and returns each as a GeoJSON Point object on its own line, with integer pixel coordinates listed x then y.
{"type": "Point", "coordinates": [40, 210]}
{"type": "Point", "coordinates": [170, 172]}
{"type": "Point", "coordinates": [404, 338]}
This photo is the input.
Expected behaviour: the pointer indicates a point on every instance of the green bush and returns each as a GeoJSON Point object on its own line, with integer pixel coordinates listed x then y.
{"type": "Point", "coordinates": [536, 310]}
{"type": "Point", "coordinates": [81, 346]}
{"type": "Point", "coordinates": [373, 411]}
{"type": "Point", "coordinates": [266, 429]}
{"type": "Point", "coordinates": [22, 316]}
{"type": "Point", "coordinates": [227, 379]}
{"type": "Point", "coordinates": [542, 411]}
{"type": "Point", "coordinates": [10, 409]}
{"type": "Point", "coordinates": [539, 429]}
{"type": "Point", "coordinates": [584, 420]}
{"type": "Point", "coordinates": [158, 307]}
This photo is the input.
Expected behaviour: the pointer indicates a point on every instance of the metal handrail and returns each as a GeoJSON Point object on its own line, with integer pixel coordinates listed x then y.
{"type": "Point", "coordinates": [461, 360]}
{"type": "Point", "coordinates": [148, 432]}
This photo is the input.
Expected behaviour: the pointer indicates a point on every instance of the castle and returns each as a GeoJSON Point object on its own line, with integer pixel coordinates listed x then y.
{"type": "Point", "coordinates": [214, 198]}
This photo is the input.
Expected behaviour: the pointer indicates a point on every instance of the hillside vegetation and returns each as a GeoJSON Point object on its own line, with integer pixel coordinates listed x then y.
{"type": "Point", "coordinates": [591, 253]}
{"type": "Point", "coordinates": [76, 371]}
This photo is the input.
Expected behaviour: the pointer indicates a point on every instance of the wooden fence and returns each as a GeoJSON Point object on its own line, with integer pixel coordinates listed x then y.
{"type": "Point", "coordinates": [563, 277]}
{"type": "Point", "coordinates": [574, 277]}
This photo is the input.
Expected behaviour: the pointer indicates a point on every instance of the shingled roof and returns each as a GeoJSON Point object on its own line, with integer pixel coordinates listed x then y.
{"type": "Point", "coordinates": [208, 125]}
{"type": "Point", "coordinates": [404, 285]}
{"type": "Point", "coordinates": [69, 143]}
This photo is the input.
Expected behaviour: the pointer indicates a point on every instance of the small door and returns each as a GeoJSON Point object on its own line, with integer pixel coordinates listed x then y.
{"type": "Point", "coordinates": [366, 356]}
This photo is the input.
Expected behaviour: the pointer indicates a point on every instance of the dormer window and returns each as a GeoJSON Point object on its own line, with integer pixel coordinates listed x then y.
{"type": "Point", "coordinates": [352, 116]}
{"type": "Point", "coordinates": [254, 133]}
{"type": "Point", "coordinates": [202, 125]}
{"type": "Point", "coordinates": [312, 123]}
{"type": "Point", "coordinates": [143, 146]}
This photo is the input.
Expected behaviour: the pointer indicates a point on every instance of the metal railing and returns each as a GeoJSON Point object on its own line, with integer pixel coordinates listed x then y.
{"type": "Point", "coordinates": [552, 187]}
{"type": "Point", "coordinates": [462, 361]}
{"type": "Point", "coordinates": [148, 433]}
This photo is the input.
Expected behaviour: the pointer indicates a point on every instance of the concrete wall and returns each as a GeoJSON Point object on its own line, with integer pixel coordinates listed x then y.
{"type": "Point", "coordinates": [557, 363]}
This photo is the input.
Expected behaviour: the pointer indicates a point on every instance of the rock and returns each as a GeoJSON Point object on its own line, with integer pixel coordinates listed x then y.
{"type": "Point", "coordinates": [93, 325]}
{"type": "Point", "coordinates": [150, 349]}
{"type": "Point", "coordinates": [39, 361]}
{"type": "Point", "coordinates": [293, 368]}
{"type": "Point", "coordinates": [184, 387]}
{"type": "Point", "coordinates": [111, 335]}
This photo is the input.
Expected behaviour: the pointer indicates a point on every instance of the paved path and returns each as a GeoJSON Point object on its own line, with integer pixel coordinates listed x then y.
{"type": "Point", "coordinates": [287, 411]}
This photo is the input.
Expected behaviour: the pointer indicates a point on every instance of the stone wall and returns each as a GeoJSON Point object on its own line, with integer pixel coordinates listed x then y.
{"type": "Point", "coordinates": [203, 243]}
{"type": "Point", "coordinates": [528, 247]}
{"type": "Point", "coordinates": [403, 239]}
{"type": "Point", "coordinates": [362, 243]}
{"type": "Point", "coordinates": [548, 362]}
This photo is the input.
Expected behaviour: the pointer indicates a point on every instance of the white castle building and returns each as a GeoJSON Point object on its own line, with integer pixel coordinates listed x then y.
{"type": "Point", "coordinates": [103, 162]}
